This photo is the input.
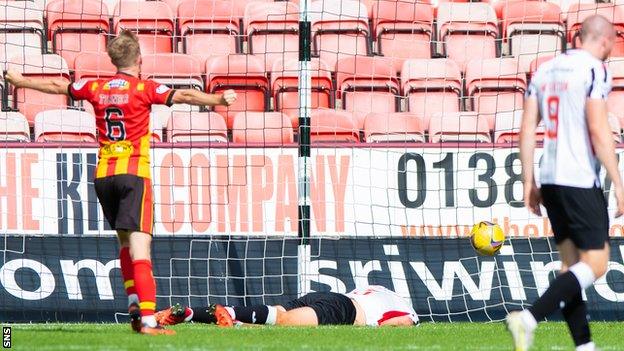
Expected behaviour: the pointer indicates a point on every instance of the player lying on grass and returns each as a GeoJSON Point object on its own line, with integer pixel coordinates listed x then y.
{"type": "Point", "coordinates": [123, 175]}
{"type": "Point", "coordinates": [372, 306]}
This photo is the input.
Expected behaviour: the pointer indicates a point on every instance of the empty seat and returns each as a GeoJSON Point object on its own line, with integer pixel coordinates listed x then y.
{"type": "Point", "coordinates": [208, 27]}
{"type": "Point", "coordinates": [272, 31]}
{"type": "Point", "coordinates": [431, 86]}
{"type": "Point", "coordinates": [196, 127]}
{"type": "Point", "coordinates": [243, 73]}
{"type": "Point", "coordinates": [458, 127]}
{"type": "Point", "coordinates": [467, 31]}
{"type": "Point", "coordinates": [93, 65]}
{"type": "Point", "coordinates": [403, 30]}
{"type": "Point", "coordinates": [399, 126]}
{"type": "Point", "coordinates": [77, 26]}
{"type": "Point", "coordinates": [285, 87]}
{"type": "Point", "coordinates": [339, 29]}
{"type": "Point", "coordinates": [367, 84]}
{"type": "Point", "coordinates": [507, 127]}
{"type": "Point", "coordinates": [565, 5]}
{"type": "Point", "coordinates": [30, 102]}
{"type": "Point", "coordinates": [495, 85]}
{"type": "Point", "coordinates": [262, 128]}
{"type": "Point", "coordinates": [65, 125]}
{"type": "Point", "coordinates": [538, 62]}
{"type": "Point", "coordinates": [533, 29]}
{"type": "Point", "coordinates": [21, 28]}
{"type": "Point", "coordinates": [579, 12]}
{"type": "Point", "coordinates": [175, 70]}
{"type": "Point", "coordinates": [153, 21]}
{"type": "Point", "coordinates": [14, 127]}
{"type": "Point", "coordinates": [615, 101]}
{"type": "Point", "coordinates": [329, 125]}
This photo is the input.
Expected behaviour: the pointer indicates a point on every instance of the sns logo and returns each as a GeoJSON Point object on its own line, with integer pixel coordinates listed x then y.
{"type": "Point", "coordinates": [6, 337]}
{"type": "Point", "coordinates": [118, 83]}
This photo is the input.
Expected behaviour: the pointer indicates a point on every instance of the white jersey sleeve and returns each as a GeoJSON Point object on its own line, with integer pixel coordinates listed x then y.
{"type": "Point", "coordinates": [380, 304]}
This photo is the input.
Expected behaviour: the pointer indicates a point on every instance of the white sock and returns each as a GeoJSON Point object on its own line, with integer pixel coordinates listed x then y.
{"type": "Point", "coordinates": [528, 319]}
{"type": "Point", "coordinates": [590, 346]}
{"type": "Point", "coordinates": [584, 274]}
{"type": "Point", "coordinates": [133, 298]}
{"type": "Point", "coordinates": [190, 316]}
{"type": "Point", "coordinates": [231, 312]}
{"type": "Point", "coordinates": [271, 316]}
{"type": "Point", "coordinates": [149, 321]}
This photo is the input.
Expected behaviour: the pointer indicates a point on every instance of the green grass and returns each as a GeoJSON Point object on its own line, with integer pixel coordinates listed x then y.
{"type": "Point", "coordinates": [429, 336]}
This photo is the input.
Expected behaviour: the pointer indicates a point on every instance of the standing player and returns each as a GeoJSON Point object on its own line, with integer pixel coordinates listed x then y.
{"type": "Point", "coordinates": [122, 182]}
{"type": "Point", "coordinates": [372, 306]}
{"type": "Point", "coordinates": [569, 93]}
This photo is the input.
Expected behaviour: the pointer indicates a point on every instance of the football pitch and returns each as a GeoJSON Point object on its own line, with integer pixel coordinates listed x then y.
{"type": "Point", "coordinates": [428, 336]}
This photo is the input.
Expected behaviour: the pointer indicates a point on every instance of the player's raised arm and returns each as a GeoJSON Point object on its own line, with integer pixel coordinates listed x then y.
{"type": "Point", "coordinates": [530, 119]}
{"type": "Point", "coordinates": [198, 98]}
{"type": "Point", "coordinates": [44, 85]}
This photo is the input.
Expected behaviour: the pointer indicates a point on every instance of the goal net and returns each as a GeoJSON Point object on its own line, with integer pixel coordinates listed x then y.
{"type": "Point", "coordinates": [367, 139]}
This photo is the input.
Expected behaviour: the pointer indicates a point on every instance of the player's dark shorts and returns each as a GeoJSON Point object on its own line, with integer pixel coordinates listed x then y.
{"type": "Point", "coordinates": [127, 202]}
{"type": "Point", "coordinates": [331, 308]}
{"type": "Point", "coordinates": [578, 214]}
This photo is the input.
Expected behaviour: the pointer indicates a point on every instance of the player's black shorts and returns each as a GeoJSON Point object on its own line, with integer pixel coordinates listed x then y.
{"type": "Point", "coordinates": [126, 201]}
{"type": "Point", "coordinates": [331, 308]}
{"type": "Point", "coordinates": [578, 214]}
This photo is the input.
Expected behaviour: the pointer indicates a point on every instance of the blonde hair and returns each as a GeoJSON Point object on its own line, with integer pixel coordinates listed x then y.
{"type": "Point", "coordinates": [124, 49]}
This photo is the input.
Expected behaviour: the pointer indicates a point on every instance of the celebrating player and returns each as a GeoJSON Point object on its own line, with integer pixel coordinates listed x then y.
{"type": "Point", "coordinates": [372, 306]}
{"type": "Point", "coordinates": [122, 182]}
{"type": "Point", "coordinates": [569, 93]}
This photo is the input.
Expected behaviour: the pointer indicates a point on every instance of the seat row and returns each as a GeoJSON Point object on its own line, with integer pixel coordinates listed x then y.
{"type": "Point", "coordinates": [274, 128]}
{"type": "Point", "coordinates": [395, 29]}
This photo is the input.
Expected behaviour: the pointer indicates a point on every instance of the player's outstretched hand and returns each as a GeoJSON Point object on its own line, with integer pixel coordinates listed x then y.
{"type": "Point", "coordinates": [619, 198]}
{"type": "Point", "coordinates": [13, 77]}
{"type": "Point", "coordinates": [532, 198]}
{"type": "Point", "coordinates": [228, 97]}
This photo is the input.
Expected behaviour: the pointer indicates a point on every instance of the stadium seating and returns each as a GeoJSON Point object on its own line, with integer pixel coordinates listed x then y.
{"type": "Point", "coordinates": [537, 62]}
{"type": "Point", "coordinates": [272, 31]}
{"type": "Point", "coordinates": [196, 127]}
{"type": "Point", "coordinates": [65, 125]}
{"type": "Point", "coordinates": [262, 128]}
{"type": "Point", "coordinates": [495, 85]}
{"type": "Point", "coordinates": [398, 126]}
{"type": "Point", "coordinates": [339, 29]}
{"type": "Point", "coordinates": [431, 86]}
{"type": "Point", "coordinates": [208, 28]}
{"type": "Point", "coordinates": [77, 26]}
{"type": "Point", "coordinates": [615, 101]}
{"type": "Point", "coordinates": [458, 127]}
{"type": "Point", "coordinates": [28, 101]}
{"type": "Point", "coordinates": [507, 128]}
{"type": "Point", "coordinates": [92, 65]}
{"type": "Point", "coordinates": [21, 29]}
{"type": "Point", "coordinates": [243, 73]}
{"type": "Point", "coordinates": [284, 84]}
{"type": "Point", "coordinates": [403, 30]}
{"type": "Point", "coordinates": [329, 125]}
{"type": "Point", "coordinates": [366, 84]}
{"type": "Point", "coordinates": [174, 70]}
{"type": "Point", "coordinates": [14, 127]}
{"type": "Point", "coordinates": [566, 5]}
{"type": "Point", "coordinates": [467, 31]}
{"type": "Point", "coordinates": [153, 21]}
{"type": "Point", "coordinates": [579, 12]}
{"type": "Point", "coordinates": [532, 29]}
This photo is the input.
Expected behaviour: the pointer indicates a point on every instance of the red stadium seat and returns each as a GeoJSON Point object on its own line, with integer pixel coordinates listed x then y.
{"type": "Point", "coordinates": [30, 102]}
{"type": "Point", "coordinates": [92, 65]}
{"type": "Point", "coordinates": [262, 128]}
{"type": "Point", "coordinates": [339, 29]}
{"type": "Point", "coordinates": [403, 30]}
{"type": "Point", "coordinates": [507, 129]}
{"type": "Point", "coordinates": [616, 128]}
{"type": "Point", "coordinates": [367, 84]}
{"type": "Point", "coordinates": [174, 70]}
{"type": "Point", "coordinates": [467, 31]}
{"type": "Point", "coordinates": [77, 26]}
{"type": "Point", "coordinates": [208, 27]}
{"type": "Point", "coordinates": [21, 29]}
{"type": "Point", "coordinates": [196, 127]}
{"type": "Point", "coordinates": [533, 29]}
{"type": "Point", "coordinates": [458, 127]}
{"type": "Point", "coordinates": [616, 97]}
{"type": "Point", "coordinates": [153, 21]}
{"type": "Point", "coordinates": [565, 5]}
{"type": "Point", "coordinates": [393, 127]}
{"type": "Point", "coordinates": [65, 125]}
{"type": "Point", "coordinates": [431, 86]}
{"type": "Point", "coordinates": [285, 87]}
{"type": "Point", "coordinates": [538, 62]}
{"type": "Point", "coordinates": [495, 85]}
{"type": "Point", "coordinates": [272, 31]}
{"type": "Point", "coordinates": [577, 13]}
{"type": "Point", "coordinates": [243, 73]}
{"type": "Point", "coordinates": [329, 125]}
{"type": "Point", "coordinates": [14, 127]}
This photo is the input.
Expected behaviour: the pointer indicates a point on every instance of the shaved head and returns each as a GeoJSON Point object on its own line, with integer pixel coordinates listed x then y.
{"type": "Point", "coordinates": [597, 36]}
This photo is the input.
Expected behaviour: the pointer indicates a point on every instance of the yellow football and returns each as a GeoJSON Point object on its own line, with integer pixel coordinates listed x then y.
{"type": "Point", "coordinates": [487, 238]}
